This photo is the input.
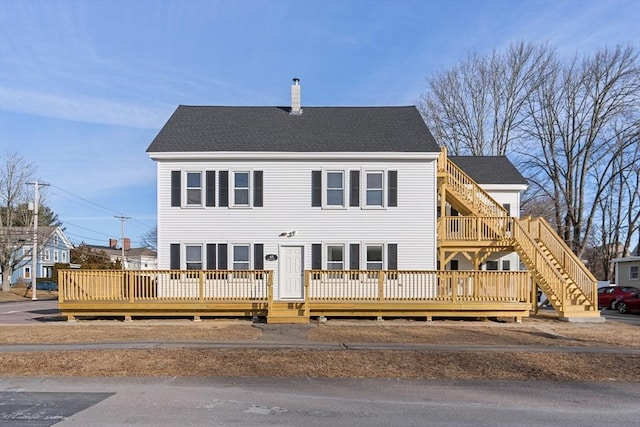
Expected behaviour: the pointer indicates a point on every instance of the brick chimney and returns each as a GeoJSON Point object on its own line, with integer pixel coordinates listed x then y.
{"type": "Point", "coordinates": [113, 243]}
{"type": "Point", "coordinates": [127, 243]}
{"type": "Point", "coordinates": [296, 106]}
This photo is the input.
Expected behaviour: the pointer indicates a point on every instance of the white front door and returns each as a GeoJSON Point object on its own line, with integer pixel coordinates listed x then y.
{"type": "Point", "coordinates": [291, 272]}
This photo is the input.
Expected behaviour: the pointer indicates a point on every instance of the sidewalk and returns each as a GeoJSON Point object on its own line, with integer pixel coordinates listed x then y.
{"type": "Point", "coordinates": [274, 337]}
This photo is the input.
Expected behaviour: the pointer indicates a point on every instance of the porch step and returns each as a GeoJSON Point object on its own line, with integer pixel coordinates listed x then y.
{"type": "Point", "coordinates": [288, 313]}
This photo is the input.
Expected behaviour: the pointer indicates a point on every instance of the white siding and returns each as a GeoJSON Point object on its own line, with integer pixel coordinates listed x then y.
{"type": "Point", "coordinates": [287, 207]}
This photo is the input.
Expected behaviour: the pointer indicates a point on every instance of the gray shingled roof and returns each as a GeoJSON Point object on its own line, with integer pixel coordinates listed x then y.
{"type": "Point", "coordinates": [317, 129]}
{"type": "Point", "coordinates": [489, 169]}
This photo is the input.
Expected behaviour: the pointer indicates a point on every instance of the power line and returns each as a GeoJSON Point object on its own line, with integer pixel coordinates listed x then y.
{"type": "Point", "coordinates": [91, 204]}
{"type": "Point", "coordinates": [84, 228]}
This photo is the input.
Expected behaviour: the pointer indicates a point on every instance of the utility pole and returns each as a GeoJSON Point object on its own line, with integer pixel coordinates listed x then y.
{"type": "Point", "coordinates": [123, 219]}
{"type": "Point", "coordinates": [34, 248]}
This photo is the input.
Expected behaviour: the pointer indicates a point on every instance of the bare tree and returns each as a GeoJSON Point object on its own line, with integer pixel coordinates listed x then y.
{"type": "Point", "coordinates": [581, 125]}
{"type": "Point", "coordinates": [150, 238]}
{"type": "Point", "coordinates": [15, 172]}
{"type": "Point", "coordinates": [477, 107]}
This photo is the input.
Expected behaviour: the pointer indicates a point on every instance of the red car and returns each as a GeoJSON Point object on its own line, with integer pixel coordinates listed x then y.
{"type": "Point", "coordinates": [608, 295]}
{"type": "Point", "coordinates": [629, 304]}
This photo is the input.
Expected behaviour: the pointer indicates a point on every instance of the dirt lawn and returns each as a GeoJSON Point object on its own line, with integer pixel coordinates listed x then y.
{"type": "Point", "coordinates": [542, 330]}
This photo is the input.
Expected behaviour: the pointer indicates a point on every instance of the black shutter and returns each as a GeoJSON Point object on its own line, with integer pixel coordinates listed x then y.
{"type": "Point", "coordinates": [211, 256]}
{"type": "Point", "coordinates": [393, 188]}
{"type": "Point", "coordinates": [258, 256]}
{"type": "Point", "coordinates": [354, 256]}
{"type": "Point", "coordinates": [392, 256]}
{"type": "Point", "coordinates": [316, 188]}
{"type": "Point", "coordinates": [222, 256]}
{"type": "Point", "coordinates": [210, 193]}
{"type": "Point", "coordinates": [174, 256]}
{"type": "Point", "coordinates": [175, 188]}
{"type": "Point", "coordinates": [354, 199]}
{"type": "Point", "coordinates": [223, 197]}
{"type": "Point", "coordinates": [316, 256]}
{"type": "Point", "coordinates": [257, 189]}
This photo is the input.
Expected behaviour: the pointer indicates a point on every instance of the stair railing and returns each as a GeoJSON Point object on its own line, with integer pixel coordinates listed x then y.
{"type": "Point", "coordinates": [571, 264]}
{"type": "Point", "coordinates": [552, 283]}
{"type": "Point", "coordinates": [479, 199]}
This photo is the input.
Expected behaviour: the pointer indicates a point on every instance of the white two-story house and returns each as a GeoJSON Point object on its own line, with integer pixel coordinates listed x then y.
{"type": "Point", "coordinates": [291, 189]}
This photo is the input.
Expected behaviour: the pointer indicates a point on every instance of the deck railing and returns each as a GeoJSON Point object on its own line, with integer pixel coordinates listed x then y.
{"type": "Point", "coordinates": [394, 286]}
{"type": "Point", "coordinates": [163, 285]}
{"type": "Point", "coordinates": [470, 228]}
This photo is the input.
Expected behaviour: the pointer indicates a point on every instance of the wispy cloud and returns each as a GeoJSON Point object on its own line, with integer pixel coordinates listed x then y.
{"type": "Point", "coordinates": [83, 108]}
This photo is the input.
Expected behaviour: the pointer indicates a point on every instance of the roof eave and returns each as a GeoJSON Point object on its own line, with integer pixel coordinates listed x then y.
{"type": "Point", "coordinates": [281, 155]}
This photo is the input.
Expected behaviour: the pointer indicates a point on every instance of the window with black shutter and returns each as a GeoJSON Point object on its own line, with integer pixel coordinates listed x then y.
{"type": "Point", "coordinates": [222, 256]}
{"type": "Point", "coordinates": [257, 189]}
{"type": "Point", "coordinates": [223, 195]}
{"type": "Point", "coordinates": [211, 256]}
{"type": "Point", "coordinates": [354, 193]}
{"type": "Point", "coordinates": [174, 256]}
{"type": "Point", "coordinates": [316, 188]}
{"type": "Point", "coordinates": [210, 193]}
{"type": "Point", "coordinates": [316, 256]}
{"type": "Point", "coordinates": [392, 256]}
{"type": "Point", "coordinates": [175, 188]}
{"type": "Point", "coordinates": [354, 256]}
{"type": "Point", "coordinates": [392, 193]}
{"type": "Point", "coordinates": [258, 256]}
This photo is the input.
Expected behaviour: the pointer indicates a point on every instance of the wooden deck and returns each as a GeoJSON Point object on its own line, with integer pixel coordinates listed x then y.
{"type": "Point", "coordinates": [423, 294]}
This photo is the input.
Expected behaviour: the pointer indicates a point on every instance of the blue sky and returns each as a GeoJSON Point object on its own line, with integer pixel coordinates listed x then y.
{"type": "Point", "coordinates": [86, 85]}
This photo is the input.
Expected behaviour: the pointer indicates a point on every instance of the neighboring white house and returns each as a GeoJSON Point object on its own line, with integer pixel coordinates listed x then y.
{"type": "Point", "coordinates": [627, 269]}
{"type": "Point", "coordinates": [498, 177]}
{"type": "Point", "coordinates": [290, 189]}
{"type": "Point", "coordinates": [134, 258]}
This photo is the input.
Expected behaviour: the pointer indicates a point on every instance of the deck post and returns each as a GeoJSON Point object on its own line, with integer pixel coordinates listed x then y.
{"type": "Point", "coordinates": [381, 275]}
{"type": "Point", "coordinates": [454, 287]}
{"type": "Point", "coordinates": [307, 309]}
{"type": "Point", "coordinates": [131, 296]}
{"type": "Point", "coordinates": [201, 287]}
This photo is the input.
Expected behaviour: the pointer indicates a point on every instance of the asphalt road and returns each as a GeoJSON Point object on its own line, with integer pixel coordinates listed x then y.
{"type": "Point", "coordinates": [25, 312]}
{"type": "Point", "coordinates": [312, 402]}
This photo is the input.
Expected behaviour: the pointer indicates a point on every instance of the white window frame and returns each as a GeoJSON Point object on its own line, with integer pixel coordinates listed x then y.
{"type": "Point", "coordinates": [325, 189]}
{"type": "Point", "coordinates": [365, 189]}
{"type": "Point", "coordinates": [46, 255]}
{"type": "Point", "coordinates": [232, 258]}
{"type": "Point", "coordinates": [187, 188]}
{"type": "Point", "coordinates": [27, 272]}
{"type": "Point", "coordinates": [327, 262]}
{"type": "Point", "coordinates": [187, 262]}
{"type": "Point", "coordinates": [55, 256]}
{"type": "Point", "coordinates": [55, 240]}
{"type": "Point", "coordinates": [635, 276]}
{"type": "Point", "coordinates": [64, 256]}
{"type": "Point", "coordinates": [365, 256]}
{"type": "Point", "coordinates": [232, 189]}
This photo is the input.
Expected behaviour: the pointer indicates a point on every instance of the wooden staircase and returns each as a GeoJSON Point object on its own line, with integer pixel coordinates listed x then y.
{"type": "Point", "coordinates": [288, 312]}
{"type": "Point", "coordinates": [567, 283]}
